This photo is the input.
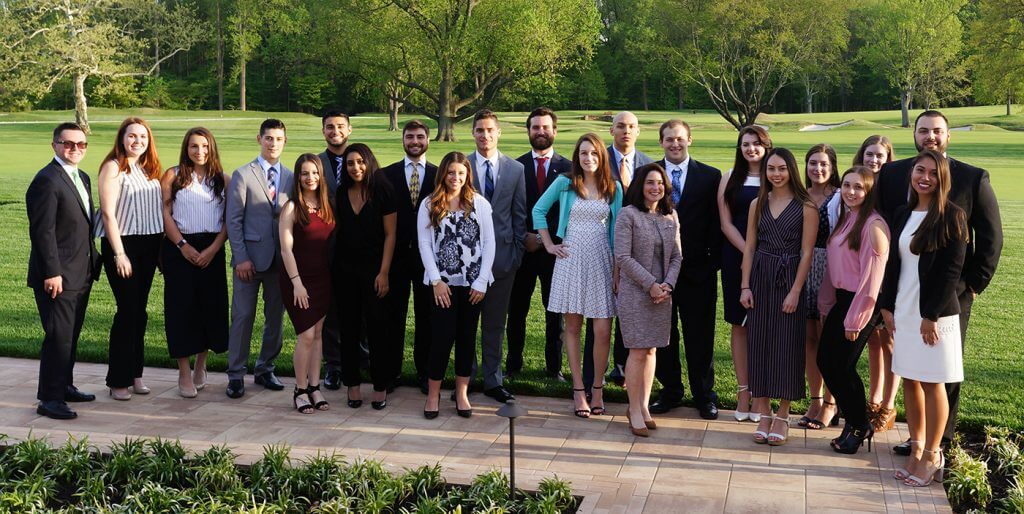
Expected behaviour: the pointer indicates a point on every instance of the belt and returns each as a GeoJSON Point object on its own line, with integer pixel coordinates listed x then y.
{"type": "Point", "coordinates": [783, 266]}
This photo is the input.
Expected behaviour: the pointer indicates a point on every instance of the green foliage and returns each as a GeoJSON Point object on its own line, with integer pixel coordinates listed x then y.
{"type": "Point", "coordinates": [1013, 502]}
{"type": "Point", "coordinates": [997, 57]}
{"type": "Point", "coordinates": [967, 481]}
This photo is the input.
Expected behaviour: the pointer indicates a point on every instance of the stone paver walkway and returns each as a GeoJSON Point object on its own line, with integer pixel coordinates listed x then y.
{"type": "Point", "coordinates": [687, 465]}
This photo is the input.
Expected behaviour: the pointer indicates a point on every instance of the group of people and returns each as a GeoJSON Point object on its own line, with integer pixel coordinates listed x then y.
{"type": "Point", "coordinates": [815, 267]}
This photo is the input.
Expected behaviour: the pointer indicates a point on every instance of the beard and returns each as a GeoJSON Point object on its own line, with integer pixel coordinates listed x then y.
{"type": "Point", "coordinates": [340, 145]}
{"type": "Point", "coordinates": [541, 142]}
{"type": "Point", "coordinates": [941, 147]}
{"type": "Point", "coordinates": [415, 151]}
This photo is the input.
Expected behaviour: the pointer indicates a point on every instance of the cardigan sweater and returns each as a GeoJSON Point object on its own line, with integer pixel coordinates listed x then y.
{"type": "Point", "coordinates": [560, 191]}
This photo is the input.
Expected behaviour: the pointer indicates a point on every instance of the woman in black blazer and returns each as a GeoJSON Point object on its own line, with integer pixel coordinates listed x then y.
{"type": "Point", "coordinates": [920, 307]}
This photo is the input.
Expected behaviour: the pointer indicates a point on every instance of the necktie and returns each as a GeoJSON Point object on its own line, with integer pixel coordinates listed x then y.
{"type": "Point", "coordinates": [488, 181]}
{"type": "Point", "coordinates": [625, 174]}
{"type": "Point", "coordinates": [82, 193]}
{"type": "Point", "coordinates": [272, 184]}
{"type": "Point", "coordinates": [339, 165]}
{"type": "Point", "coordinates": [541, 172]}
{"type": "Point", "coordinates": [414, 183]}
{"type": "Point", "coordinates": [677, 185]}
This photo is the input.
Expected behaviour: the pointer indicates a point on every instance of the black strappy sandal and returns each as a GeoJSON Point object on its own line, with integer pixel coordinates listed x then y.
{"type": "Point", "coordinates": [318, 405]}
{"type": "Point", "coordinates": [817, 424]}
{"type": "Point", "coordinates": [306, 408]}
{"type": "Point", "coordinates": [580, 413]}
{"type": "Point", "coordinates": [598, 411]}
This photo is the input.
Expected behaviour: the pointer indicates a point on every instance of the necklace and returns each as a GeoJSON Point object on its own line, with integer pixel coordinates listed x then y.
{"type": "Point", "coordinates": [311, 207]}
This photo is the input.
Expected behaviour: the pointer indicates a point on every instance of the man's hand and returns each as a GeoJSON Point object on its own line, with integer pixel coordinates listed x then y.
{"type": "Point", "coordinates": [54, 286]}
{"type": "Point", "coordinates": [245, 271]}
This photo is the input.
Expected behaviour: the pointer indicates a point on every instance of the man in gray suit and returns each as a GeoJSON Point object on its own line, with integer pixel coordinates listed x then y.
{"type": "Point", "coordinates": [502, 181]}
{"type": "Point", "coordinates": [255, 195]}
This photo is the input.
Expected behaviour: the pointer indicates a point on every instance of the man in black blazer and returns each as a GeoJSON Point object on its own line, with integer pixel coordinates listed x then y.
{"type": "Point", "coordinates": [542, 165]}
{"type": "Point", "coordinates": [972, 191]}
{"type": "Point", "coordinates": [413, 181]}
{"type": "Point", "coordinates": [694, 190]}
{"type": "Point", "coordinates": [62, 264]}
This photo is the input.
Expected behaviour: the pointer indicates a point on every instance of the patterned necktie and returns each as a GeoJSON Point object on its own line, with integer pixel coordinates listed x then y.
{"type": "Point", "coordinates": [414, 183]}
{"type": "Point", "coordinates": [488, 181]}
{"type": "Point", "coordinates": [272, 184]}
{"type": "Point", "coordinates": [339, 165]}
{"type": "Point", "coordinates": [541, 172]}
{"type": "Point", "coordinates": [625, 174]}
{"type": "Point", "coordinates": [82, 193]}
{"type": "Point", "coordinates": [677, 185]}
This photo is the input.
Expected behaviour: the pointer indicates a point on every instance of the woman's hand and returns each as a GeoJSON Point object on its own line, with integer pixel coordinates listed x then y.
{"type": "Point", "coordinates": [929, 332]}
{"type": "Point", "coordinates": [190, 254]}
{"type": "Point", "coordinates": [790, 302]}
{"type": "Point", "coordinates": [747, 298]}
{"type": "Point", "coordinates": [380, 285]}
{"type": "Point", "coordinates": [300, 294]}
{"type": "Point", "coordinates": [124, 266]}
{"type": "Point", "coordinates": [205, 257]}
{"type": "Point", "coordinates": [442, 295]}
{"type": "Point", "coordinates": [890, 323]}
{"type": "Point", "coordinates": [560, 250]}
{"type": "Point", "coordinates": [475, 296]}
{"type": "Point", "coordinates": [851, 335]}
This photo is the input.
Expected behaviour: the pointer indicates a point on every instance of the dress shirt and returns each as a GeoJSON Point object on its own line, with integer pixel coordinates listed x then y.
{"type": "Point", "coordinates": [72, 172]}
{"type": "Point", "coordinates": [683, 167]}
{"type": "Point", "coordinates": [408, 170]}
{"type": "Point", "coordinates": [630, 161]}
{"type": "Point", "coordinates": [482, 169]}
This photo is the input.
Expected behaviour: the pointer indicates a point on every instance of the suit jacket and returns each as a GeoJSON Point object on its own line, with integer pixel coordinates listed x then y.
{"type": "Point", "coordinates": [252, 218]}
{"type": "Point", "coordinates": [699, 228]}
{"type": "Point", "coordinates": [557, 165]}
{"type": "Point", "coordinates": [639, 159]}
{"type": "Point", "coordinates": [327, 160]}
{"type": "Point", "coordinates": [970, 190]}
{"type": "Point", "coordinates": [939, 273]}
{"type": "Point", "coordinates": [508, 210]}
{"type": "Point", "coordinates": [407, 254]}
{"type": "Point", "coordinates": [60, 229]}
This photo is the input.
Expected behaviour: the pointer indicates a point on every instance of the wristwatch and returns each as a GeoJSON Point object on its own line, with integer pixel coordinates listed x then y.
{"type": "Point", "coordinates": [435, 282]}
{"type": "Point", "coordinates": [181, 243]}
{"type": "Point", "coordinates": [539, 240]}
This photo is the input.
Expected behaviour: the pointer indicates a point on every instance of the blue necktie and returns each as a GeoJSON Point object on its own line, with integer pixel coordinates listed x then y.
{"type": "Point", "coordinates": [272, 184]}
{"type": "Point", "coordinates": [488, 181]}
{"type": "Point", "coordinates": [677, 185]}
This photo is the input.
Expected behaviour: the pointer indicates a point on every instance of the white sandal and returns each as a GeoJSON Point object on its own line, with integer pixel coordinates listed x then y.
{"type": "Point", "coordinates": [903, 473]}
{"type": "Point", "coordinates": [740, 415]}
{"type": "Point", "coordinates": [760, 436]}
{"type": "Point", "coordinates": [776, 439]}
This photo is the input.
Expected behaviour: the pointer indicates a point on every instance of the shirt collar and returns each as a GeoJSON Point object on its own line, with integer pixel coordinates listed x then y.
{"type": "Point", "coordinates": [421, 162]}
{"type": "Point", "coordinates": [549, 156]}
{"type": "Point", "coordinates": [69, 168]}
{"type": "Point", "coordinates": [480, 160]}
{"type": "Point", "coordinates": [685, 165]}
{"type": "Point", "coordinates": [266, 165]}
{"type": "Point", "coordinates": [619, 155]}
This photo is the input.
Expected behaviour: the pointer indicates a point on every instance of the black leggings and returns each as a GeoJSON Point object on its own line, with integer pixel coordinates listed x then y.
{"type": "Point", "coordinates": [454, 325]}
{"type": "Point", "coordinates": [359, 307]}
{"type": "Point", "coordinates": [837, 360]}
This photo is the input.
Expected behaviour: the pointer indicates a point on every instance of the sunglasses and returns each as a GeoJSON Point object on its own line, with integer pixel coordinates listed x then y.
{"type": "Point", "coordinates": [70, 145]}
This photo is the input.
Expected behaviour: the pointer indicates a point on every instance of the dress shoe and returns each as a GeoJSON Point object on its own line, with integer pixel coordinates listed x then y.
{"type": "Point", "coordinates": [141, 388]}
{"type": "Point", "coordinates": [499, 393]}
{"type": "Point", "coordinates": [186, 392]}
{"type": "Point", "coordinates": [556, 376]}
{"type": "Point", "coordinates": [617, 376]}
{"type": "Point", "coordinates": [72, 394]}
{"type": "Point", "coordinates": [332, 380]}
{"type": "Point", "coordinates": [200, 384]}
{"type": "Point", "coordinates": [662, 405]}
{"type": "Point", "coordinates": [708, 410]}
{"type": "Point", "coordinates": [236, 388]}
{"type": "Point", "coordinates": [903, 448]}
{"type": "Point", "coordinates": [56, 409]}
{"type": "Point", "coordinates": [269, 381]}
{"type": "Point", "coordinates": [121, 395]}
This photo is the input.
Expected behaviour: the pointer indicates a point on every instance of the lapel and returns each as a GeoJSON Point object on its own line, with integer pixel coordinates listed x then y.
{"type": "Point", "coordinates": [479, 186]}
{"type": "Point", "coordinates": [691, 178]}
{"type": "Point", "coordinates": [426, 181]}
{"type": "Point", "coordinates": [261, 178]}
{"type": "Point", "coordinates": [554, 169]}
{"type": "Point", "coordinates": [613, 161]}
{"type": "Point", "coordinates": [530, 174]}
{"type": "Point", "coordinates": [66, 180]}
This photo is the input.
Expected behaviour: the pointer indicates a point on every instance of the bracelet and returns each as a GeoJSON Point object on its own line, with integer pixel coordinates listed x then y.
{"type": "Point", "coordinates": [293, 277]}
{"type": "Point", "coordinates": [744, 289]}
{"type": "Point", "coordinates": [121, 254]}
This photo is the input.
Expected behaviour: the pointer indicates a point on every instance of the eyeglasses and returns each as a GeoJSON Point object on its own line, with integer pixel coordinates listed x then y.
{"type": "Point", "coordinates": [70, 145]}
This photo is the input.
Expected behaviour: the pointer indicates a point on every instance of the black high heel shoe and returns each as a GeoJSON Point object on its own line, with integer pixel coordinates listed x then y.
{"type": "Point", "coordinates": [431, 414]}
{"type": "Point", "coordinates": [842, 436]}
{"type": "Point", "coordinates": [353, 404]}
{"type": "Point", "coordinates": [318, 405]}
{"type": "Point", "coordinates": [855, 440]}
{"type": "Point", "coordinates": [379, 405]}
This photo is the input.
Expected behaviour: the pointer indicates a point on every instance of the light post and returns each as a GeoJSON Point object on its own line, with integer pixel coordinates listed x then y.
{"type": "Point", "coordinates": [512, 411]}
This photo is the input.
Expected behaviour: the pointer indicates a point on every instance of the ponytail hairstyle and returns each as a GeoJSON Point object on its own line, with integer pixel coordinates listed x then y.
{"type": "Point", "coordinates": [853, 238]}
{"type": "Point", "coordinates": [936, 231]}
{"type": "Point", "coordinates": [323, 195]}
{"type": "Point", "coordinates": [740, 165]}
{"type": "Point", "coordinates": [440, 198]}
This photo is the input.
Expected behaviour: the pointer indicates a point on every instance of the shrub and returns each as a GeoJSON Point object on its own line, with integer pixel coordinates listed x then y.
{"type": "Point", "coordinates": [967, 482]}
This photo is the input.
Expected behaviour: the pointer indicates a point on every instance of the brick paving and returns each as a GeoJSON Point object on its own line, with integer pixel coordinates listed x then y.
{"type": "Point", "coordinates": [687, 465]}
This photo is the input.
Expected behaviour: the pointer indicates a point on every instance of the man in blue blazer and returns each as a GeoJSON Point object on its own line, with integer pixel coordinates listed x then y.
{"type": "Point", "coordinates": [501, 180]}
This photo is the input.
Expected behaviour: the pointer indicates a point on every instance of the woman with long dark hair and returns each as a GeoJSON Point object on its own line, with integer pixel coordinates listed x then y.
{"type": "Point", "coordinates": [195, 286]}
{"type": "Point", "coordinates": [920, 308]}
{"type": "Point", "coordinates": [131, 211]}
{"type": "Point", "coordinates": [738, 188]}
{"type": "Point", "coordinates": [365, 244]}
{"type": "Point", "coordinates": [582, 284]}
{"type": "Point", "coordinates": [305, 228]}
{"type": "Point", "coordinates": [456, 241]}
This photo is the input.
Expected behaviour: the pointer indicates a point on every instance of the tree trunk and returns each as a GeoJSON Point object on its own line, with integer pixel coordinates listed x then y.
{"type": "Point", "coordinates": [904, 108]}
{"type": "Point", "coordinates": [241, 85]}
{"type": "Point", "coordinates": [645, 93]}
{"type": "Point", "coordinates": [808, 96]}
{"type": "Point", "coordinates": [393, 107]}
{"type": "Point", "coordinates": [680, 97]}
{"type": "Point", "coordinates": [81, 106]}
{"type": "Point", "coordinates": [445, 116]}
{"type": "Point", "coordinates": [1009, 101]}
{"type": "Point", "coordinates": [220, 62]}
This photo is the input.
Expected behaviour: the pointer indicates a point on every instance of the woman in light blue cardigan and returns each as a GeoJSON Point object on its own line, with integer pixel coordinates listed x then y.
{"type": "Point", "coordinates": [583, 281]}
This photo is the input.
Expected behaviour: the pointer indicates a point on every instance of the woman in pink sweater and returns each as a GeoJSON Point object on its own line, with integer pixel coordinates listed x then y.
{"type": "Point", "coordinates": [856, 256]}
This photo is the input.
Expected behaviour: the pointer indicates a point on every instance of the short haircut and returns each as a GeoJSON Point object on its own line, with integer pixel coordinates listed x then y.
{"type": "Point", "coordinates": [542, 111]}
{"type": "Point", "coordinates": [67, 125]}
{"type": "Point", "coordinates": [635, 193]}
{"type": "Point", "coordinates": [672, 123]}
{"type": "Point", "coordinates": [333, 113]}
{"type": "Point", "coordinates": [415, 125]}
{"type": "Point", "coordinates": [931, 113]}
{"type": "Point", "coordinates": [484, 114]}
{"type": "Point", "coordinates": [270, 123]}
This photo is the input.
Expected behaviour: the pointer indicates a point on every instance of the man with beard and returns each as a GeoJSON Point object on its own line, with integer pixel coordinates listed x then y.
{"type": "Point", "coordinates": [541, 166]}
{"type": "Point", "coordinates": [412, 179]}
{"type": "Point", "coordinates": [972, 191]}
{"type": "Point", "coordinates": [336, 129]}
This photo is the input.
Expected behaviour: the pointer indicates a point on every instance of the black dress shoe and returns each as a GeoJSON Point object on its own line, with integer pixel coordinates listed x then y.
{"type": "Point", "coordinates": [663, 405]}
{"type": "Point", "coordinates": [499, 393]}
{"type": "Point", "coordinates": [617, 376]}
{"type": "Point", "coordinates": [332, 380]}
{"type": "Point", "coordinates": [269, 381]}
{"type": "Point", "coordinates": [556, 375]}
{"type": "Point", "coordinates": [236, 388]}
{"type": "Point", "coordinates": [902, 448]}
{"type": "Point", "coordinates": [72, 394]}
{"type": "Point", "coordinates": [708, 410]}
{"type": "Point", "coordinates": [55, 409]}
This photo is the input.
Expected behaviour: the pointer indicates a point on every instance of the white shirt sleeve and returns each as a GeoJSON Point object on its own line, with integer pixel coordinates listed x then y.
{"type": "Point", "coordinates": [833, 210]}
{"type": "Point", "coordinates": [483, 215]}
{"type": "Point", "coordinates": [425, 235]}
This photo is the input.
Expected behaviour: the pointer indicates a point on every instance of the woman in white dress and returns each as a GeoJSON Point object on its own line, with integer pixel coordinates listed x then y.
{"type": "Point", "coordinates": [920, 308]}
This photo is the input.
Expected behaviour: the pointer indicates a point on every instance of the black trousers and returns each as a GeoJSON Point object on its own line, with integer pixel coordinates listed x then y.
{"type": "Point", "coordinates": [953, 388]}
{"type": "Point", "coordinates": [402, 282]}
{"type": "Point", "coordinates": [131, 294]}
{"type": "Point", "coordinates": [359, 307]}
{"type": "Point", "coordinates": [455, 325]}
{"type": "Point", "coordinates": [618, 352]}
{"type": "Point", "coordinates": [330, 342]}
{"type": "Point", "coordinates": [837, 360]}
{"type": "Point", "coordinates": [62, 320]}
{"type": "Point", "coordinates": [694, 307]}
{"type": "Point", "coordinates": [539, 264]}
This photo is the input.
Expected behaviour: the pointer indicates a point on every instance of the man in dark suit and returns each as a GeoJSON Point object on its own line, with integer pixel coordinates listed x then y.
{"type": "Point", "coordinates": [541, 166]}
{"type": "Point", "coordinates": [972, 191]}
{"type": "Point", "coordinates": [62, 264]}
{"type": "Point", "coordinates": [624, 158]}
{"type": "Point", "coordinates": [413, 181]}
{"type": "Point", "coordinates": [501, 180]}
{"type": "Point", "coordinates": [336, 129]}
{"type": "Point", "coordinates": [694, 189]}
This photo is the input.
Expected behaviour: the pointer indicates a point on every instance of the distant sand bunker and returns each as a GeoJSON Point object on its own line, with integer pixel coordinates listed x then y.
{"type": "Point", "coordinates": [824, 126]}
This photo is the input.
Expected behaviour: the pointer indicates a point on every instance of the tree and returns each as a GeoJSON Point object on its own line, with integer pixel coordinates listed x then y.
{"type": "Point", "coordinates": [743, 52]}
{"type": "Point", "coordinates": [250, 22]}
{"type": "Point", "coordinates": [913, 43]}
{"type": "Point", "coordinates": [457, 55]}
{"type": "Point", "coordinates": [997, 41]}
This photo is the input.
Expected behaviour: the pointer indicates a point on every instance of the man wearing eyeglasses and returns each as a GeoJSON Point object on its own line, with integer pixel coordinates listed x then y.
{"type": "Point", "coordinates": [62, 264]}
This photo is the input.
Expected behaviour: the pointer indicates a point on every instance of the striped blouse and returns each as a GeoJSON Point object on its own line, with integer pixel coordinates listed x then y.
{"type": "Point", "coordinates": [196, 210]}
{"type": "Point", "coordinates": [139, 208]}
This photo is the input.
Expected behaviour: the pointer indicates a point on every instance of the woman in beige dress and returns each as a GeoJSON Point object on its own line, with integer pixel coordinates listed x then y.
{"type": "Point", "coordinates": [648, 255]}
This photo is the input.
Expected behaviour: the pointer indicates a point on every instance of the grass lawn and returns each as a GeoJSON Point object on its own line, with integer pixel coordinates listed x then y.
{"type": "Point", "coordinates": [994, 392]}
